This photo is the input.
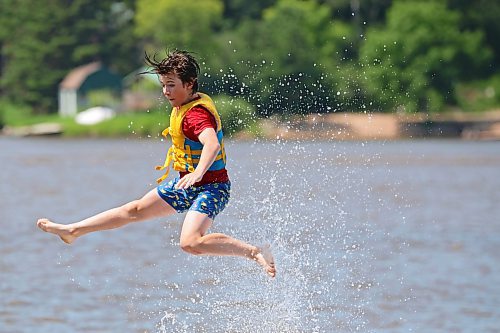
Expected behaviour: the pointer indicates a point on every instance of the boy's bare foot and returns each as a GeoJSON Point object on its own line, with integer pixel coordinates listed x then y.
{"type": "Point", "coordinates": [264, 257]}
{"type": "Point", "coordinates": [60, 230]}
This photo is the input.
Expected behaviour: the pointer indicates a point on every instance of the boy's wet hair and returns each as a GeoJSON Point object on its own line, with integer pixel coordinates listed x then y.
{"type": "Point", "coordinates": [181, 63]}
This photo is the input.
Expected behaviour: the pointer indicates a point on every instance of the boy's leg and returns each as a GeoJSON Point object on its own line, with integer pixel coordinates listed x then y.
{"type": "Point", "coordinates": [149, 206]}
{"type": "Point", "coordinates": [194, 241]}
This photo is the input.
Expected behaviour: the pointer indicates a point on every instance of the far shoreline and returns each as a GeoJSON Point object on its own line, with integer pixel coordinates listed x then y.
{"type": "Point", "coordinates": [321, 127]}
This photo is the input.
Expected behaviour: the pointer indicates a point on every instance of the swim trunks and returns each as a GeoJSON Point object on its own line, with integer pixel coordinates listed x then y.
{"type": "Point", "coordinates": [209, 199]}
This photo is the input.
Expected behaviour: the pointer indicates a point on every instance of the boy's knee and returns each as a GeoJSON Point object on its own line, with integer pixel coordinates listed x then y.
{"type": "Point", "coordinates": [132, 209]}
{"type": "Point", "coordinates": [190, 246]}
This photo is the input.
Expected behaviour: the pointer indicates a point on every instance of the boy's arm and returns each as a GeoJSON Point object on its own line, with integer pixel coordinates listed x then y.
{"type": "Point", "coordinates": [211, 148]}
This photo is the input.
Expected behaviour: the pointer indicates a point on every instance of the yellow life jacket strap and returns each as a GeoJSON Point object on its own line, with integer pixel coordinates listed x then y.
{"type": "Point", "coordinates": [197, 160]}
{"type": "Point", "coordinates": [168, 159]}
{"type": "Point", "coordinates": [223, 152]}
{"type": "Point", "coordinates": [166, 165]}
{"type": "Point", "coordinates": [189, 159]}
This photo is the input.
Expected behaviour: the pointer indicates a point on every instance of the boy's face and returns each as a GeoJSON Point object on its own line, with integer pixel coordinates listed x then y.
{"type": "Point", "coordinates": [174, 90]}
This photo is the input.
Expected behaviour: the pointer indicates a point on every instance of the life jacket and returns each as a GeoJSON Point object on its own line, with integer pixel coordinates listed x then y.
{"type": "Point", "coordinates": [186, 153]}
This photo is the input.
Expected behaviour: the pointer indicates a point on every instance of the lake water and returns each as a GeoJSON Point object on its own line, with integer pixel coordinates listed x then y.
{"type": "Point", "coordinates": [368, 237]}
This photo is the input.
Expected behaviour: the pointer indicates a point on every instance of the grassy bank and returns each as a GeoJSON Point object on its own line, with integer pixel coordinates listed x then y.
{"type": "Point", "coordinates": [125, 125]}
{"type": "Point", "coordinates": [139, 124]}
{"type": "Point", "coordinates": [133, 124]}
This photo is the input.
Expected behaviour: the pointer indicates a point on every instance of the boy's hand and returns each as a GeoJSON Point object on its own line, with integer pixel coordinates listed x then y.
{"type": "Point", "coordinates": [188, 180]}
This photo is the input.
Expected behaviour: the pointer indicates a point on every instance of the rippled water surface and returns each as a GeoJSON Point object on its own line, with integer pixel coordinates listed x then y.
{"type": "Point", "coordinates": [368, 237]}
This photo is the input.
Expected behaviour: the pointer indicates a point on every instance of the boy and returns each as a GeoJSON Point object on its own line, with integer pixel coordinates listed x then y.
{"type": "Point", "coordinates": [202, 188]}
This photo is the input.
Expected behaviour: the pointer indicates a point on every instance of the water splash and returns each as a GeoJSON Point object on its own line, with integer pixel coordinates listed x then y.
{"type": "Point", "coordinates": [320, 247]}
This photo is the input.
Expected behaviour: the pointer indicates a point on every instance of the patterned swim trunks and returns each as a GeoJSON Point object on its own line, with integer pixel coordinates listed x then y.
{"type": "Point", "coordinates": [209, 199]}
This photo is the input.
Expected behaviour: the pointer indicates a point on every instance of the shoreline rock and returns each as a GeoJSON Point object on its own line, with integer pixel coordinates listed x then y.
{"type": "Point", "coordinates": [42, 129]}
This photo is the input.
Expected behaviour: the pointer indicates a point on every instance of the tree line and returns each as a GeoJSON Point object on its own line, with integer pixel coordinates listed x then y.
{"type": "Point", "coordinates": [282, 56]}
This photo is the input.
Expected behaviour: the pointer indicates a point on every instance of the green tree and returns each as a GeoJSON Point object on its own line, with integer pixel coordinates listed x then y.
{"type": "Point", "coordinates": [417, 58]}
{"type": "Point", "coordinates": [235, 11]}
{"type": "Point", "coordinates": [360, 13]}
{"type": "Point", "coordinates": [40, 46]}
{"type": "Point", "coordinates": [288, 61]}
{"type": "Point", "coordinates": [28, 43]}
{"type": "Point", "coordinates": [482, 15]}
{"type": "Point", "coordinates": [180, 24]}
